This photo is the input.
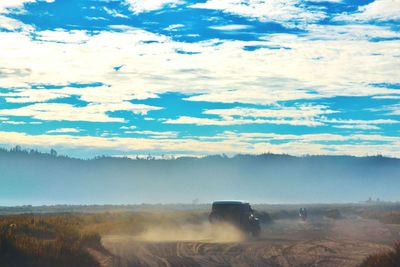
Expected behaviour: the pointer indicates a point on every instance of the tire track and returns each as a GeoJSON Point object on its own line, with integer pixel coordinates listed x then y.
{"type": "Point", "coordinates": [295, 245]}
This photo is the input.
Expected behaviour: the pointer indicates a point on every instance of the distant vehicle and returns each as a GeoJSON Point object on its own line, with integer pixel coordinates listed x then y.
{"type": "Point", "coordinates": [303, 213]}
{"type": "Point", "coordinates": [238, 213]}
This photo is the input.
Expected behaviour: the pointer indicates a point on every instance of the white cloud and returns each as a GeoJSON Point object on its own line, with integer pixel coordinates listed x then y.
{"type": "Point", "coordinates": [350, 32]}
{"type": "Point", "coordinates": [357, 126]}
{"type": "Point", "coordinates": [387, 97]}
{"type": "Point", "coordinates": [14, 122]}
{"type": "Point", "coordinates": [127, 127]}
{"type": "Point", "coordinates": [324, 61]}
{"type": "Point", "coordinates": [63, 36]}
{"type": "Point", "coordinates": [64, 130]}
{"type": "Point", "coordinates": [308, 66]}
{"type": "Point", "coordinates": [376, 10]}
{"type": "Point", "coordinates": [114, 13]}
{"type": "Point", "coordinates": [394, 110]}
{"type": "Point", "coordinates": [231, 27]}
{"type": "Point", "coordinates": [157, 135]}
{"type": "Point", "coordinates": [325, 1]}
{"type": "Point", "coordinates": [58, 112]}
{"type": "Point", "coordinates": [95, 112]}
{"type": "Point", "coordinates": [13, 24]}
{"type": "Point", "coordinates": [233, 121]}
{"type": "Point", "coordinates": [140, 6]}
{"type": "Point", "coordinates": [304, 115]}
{"type": "Point", "coordinates": [174, 27]}
{"type": "Point", "coordinates": [291, 13]}
{"type": "Point", "coordinates": [388, 110]}
{"type": "Point", "coordinates": [33, 95]}
{"type": "Point", "coordinates": [95, 18]}
{"type": "Point", "coordinates": [232, 143]}
{"type": "Point", "coordinates": [354, 122]}
{"type": "Point", "coordinates": [302, 111]}
{"type": "Point", "coordinates": [7, 5]}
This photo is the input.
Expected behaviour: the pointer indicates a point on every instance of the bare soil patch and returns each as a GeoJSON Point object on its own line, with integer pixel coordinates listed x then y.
{"type": "Point", "coordinates": [316, 242]}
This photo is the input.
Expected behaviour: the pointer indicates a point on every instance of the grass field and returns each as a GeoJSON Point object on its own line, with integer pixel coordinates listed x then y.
{"type": "Point", "coordinates": [75, 239]}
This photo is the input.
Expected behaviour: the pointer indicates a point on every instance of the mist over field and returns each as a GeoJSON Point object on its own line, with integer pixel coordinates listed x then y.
{"type": "Point", "coordinates": [199, 133]}
{"type": "Point", "coordinates": [38, 178]}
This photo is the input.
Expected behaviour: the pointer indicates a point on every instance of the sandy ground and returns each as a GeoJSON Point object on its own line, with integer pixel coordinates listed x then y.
{"type": "Point", "coordinates": [317, 242]}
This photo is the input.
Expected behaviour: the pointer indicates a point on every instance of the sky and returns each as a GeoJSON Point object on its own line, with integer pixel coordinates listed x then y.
{"type": "Point", "coordinates": [193, 78]}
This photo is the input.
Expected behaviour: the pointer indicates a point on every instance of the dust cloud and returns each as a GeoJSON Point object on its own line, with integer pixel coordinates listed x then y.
{"type": "Point", "coordinates": [219, 233]}
{"type": "Point", "coordinates": [204, 232]}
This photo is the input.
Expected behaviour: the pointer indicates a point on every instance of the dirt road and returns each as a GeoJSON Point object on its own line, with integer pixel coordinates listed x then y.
{"type": "Point", "coordinates": [318, 242]}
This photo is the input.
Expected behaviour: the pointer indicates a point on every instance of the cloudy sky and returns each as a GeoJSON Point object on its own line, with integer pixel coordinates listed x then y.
{"type": "Point", "coordinates": [176, 77]}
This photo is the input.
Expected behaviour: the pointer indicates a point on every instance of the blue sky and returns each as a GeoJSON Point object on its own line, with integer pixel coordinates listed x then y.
{"type": "Point", "coordinates": [174, 77]}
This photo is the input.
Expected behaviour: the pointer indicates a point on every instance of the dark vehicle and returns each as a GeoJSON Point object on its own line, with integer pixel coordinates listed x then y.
{"type": "Point", "coordinates": [238, 213]}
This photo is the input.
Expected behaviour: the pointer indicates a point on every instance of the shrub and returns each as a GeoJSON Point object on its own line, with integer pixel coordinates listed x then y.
{"type": "Point", "coordinates": [385, 259]}
{"type": "Point", "coordinates": [391, 218]}
{"type": "Point", "coordinates": [333, 214]}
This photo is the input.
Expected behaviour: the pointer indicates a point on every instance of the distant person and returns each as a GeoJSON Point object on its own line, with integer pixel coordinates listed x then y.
{"type": "Point", "coordinates": [303, 213]}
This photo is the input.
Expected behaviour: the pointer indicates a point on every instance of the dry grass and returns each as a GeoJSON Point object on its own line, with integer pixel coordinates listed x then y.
{"type": "Point", "coordinates": [62, 239]}
{"type": "Point", "coordinates": [45, 241]}
{"type": "Point", "coordinates": [386, 259]}
{"type": "Point", "coordinates": [389, 217]}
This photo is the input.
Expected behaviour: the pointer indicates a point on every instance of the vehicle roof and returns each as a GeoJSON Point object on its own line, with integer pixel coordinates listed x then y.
{"type": "Point", "coordinates": [229, 202]}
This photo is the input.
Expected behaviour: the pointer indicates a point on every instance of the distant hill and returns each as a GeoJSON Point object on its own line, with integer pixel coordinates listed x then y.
{"type": "Point", "coordinates": [31, 177]}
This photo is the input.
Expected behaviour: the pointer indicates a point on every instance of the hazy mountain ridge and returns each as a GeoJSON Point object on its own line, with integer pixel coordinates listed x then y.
{"type": "Point", "coordinates": [35, 178]}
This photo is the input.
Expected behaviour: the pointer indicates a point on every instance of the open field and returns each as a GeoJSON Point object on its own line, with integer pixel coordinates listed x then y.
{"type": "Point", "coordinates": [334, 235]}
{"type": "Point", "coordinates": [318, 242]}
